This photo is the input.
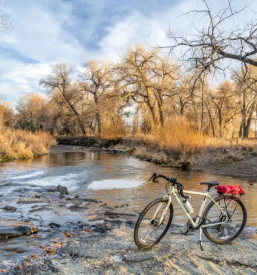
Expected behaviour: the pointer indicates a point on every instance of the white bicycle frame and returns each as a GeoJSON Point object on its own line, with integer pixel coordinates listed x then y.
{"type": "Point", "coordinates": [173, 192]}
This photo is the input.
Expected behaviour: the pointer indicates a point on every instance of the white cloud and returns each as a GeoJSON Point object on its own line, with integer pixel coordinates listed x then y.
{"type": "Point", "coordinates": [39, 34]}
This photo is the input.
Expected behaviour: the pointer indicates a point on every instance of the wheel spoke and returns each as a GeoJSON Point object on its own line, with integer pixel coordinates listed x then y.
{"type": "Point", "coordinates": [233, 221]}
{"type": "Point", "coordinates": [150, 234]}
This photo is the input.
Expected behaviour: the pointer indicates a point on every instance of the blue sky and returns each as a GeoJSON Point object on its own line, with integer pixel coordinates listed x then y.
{"type": "Point", "coordinates": [73, 31]}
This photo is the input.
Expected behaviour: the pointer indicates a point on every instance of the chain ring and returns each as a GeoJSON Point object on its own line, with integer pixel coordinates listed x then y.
{"type": "Point", "coordinates": [189, 225]}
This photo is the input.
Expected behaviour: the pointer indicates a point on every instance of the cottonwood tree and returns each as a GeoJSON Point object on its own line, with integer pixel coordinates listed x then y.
{"type": "Point", "coordinates": [96, 82]}
{"type": "Point", "coordinates": [6, 113]}
{"type": "Point", "coordinates": [246, 89]}
{"type": "Point", "coordinates": [60, 82]}
{"type": "Point", "coordinates": [224, 105]}
{"type": "Point", "coordinates": [32, 113]}
{"type": "Point", "coordinates": [147, 79]}
{"type": "Point", "coordinates": [206, 46]}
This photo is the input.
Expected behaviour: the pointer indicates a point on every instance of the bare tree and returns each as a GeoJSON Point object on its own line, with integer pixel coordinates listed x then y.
{"type": "Point", "coordinates": [5, 23]}
{"type": "Point", "coordinates": [207, 46]}
{"type": "Point", "coordinates": [32, 113]}
{"type": "Point", "coordinates": [97, 82]}
{"type": "Point", "coordinates": [60, 81]}
{"type": "Point", "coordinates": [246, 89]}
{"type": "Point", "coordinates": [147, 79]}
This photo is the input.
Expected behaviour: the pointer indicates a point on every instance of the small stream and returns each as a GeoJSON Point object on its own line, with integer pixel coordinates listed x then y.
{"type": "Point", "coordinates": [112, 178]}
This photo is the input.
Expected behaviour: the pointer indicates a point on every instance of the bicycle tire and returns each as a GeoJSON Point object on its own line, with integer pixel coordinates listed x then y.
{"type": "Point", "coordinates": [228, 240]}
{"type": "Point", "coordinates": [139, 244]}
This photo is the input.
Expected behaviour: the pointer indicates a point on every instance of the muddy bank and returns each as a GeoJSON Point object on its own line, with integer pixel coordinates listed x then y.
{"type": "Point", "coordinates": [88, 141]}
{"type": "Point", "coordinates": [225, 161]}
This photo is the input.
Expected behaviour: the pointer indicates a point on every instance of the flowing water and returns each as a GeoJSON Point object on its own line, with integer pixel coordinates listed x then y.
{"type": "Point", "coordinates": [113, 178]}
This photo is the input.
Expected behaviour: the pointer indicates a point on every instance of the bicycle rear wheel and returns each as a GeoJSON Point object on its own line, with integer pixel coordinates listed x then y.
{"type": "Point", "coordinates": [147, 232]}
{"type": "Point", "coordinates": [232, 228]}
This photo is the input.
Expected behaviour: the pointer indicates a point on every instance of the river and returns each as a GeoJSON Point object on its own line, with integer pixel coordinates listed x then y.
{"type": "Point", "coordinates": [112, 178]}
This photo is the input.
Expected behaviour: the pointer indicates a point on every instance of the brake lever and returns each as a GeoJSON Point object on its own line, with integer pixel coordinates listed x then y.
{"type": "Point", "coordinates": [153, 175]}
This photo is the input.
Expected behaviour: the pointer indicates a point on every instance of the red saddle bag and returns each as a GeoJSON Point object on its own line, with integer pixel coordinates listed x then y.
{"type": "Point", "coordinates": [230, 189]}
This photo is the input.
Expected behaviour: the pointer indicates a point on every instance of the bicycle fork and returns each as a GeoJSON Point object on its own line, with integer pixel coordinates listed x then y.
{"type": "Point", "coordinates": [166, 208]}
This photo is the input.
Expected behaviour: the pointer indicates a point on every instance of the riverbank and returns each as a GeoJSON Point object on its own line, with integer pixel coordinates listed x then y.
{"type": "Point", "coordinates": [21, 144]}
{"type": "Point", "coordinates": [234, 160]}
{"type": "Point", "coordinates": [101, 241]}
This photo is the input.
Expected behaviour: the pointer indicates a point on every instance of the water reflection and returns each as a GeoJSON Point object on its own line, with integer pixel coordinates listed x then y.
{"type": "Point", "coordinates": [95, 173]}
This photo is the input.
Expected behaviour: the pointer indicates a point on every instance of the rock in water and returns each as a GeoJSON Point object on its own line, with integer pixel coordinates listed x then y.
{"type": "Point", "coordinates": [54, 225]}
{"type": "Point", "coordinates": [12, 231]}
{"type": "Point", "coordinates": [30, 200]}
{"type": "Point", "coordinates": [62, 189]}
{"type": "Point", "coordinates": [9, 208]}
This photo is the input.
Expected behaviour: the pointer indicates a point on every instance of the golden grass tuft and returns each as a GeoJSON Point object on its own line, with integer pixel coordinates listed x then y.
{"type": "Point", "coordinates": [234, 143]}
{"type": "Point", "coordinates": [20, 144]}
{"type": "Point", "coordinates": [176, 136]}
{"type": "Point", "coordinates": [113, 130]}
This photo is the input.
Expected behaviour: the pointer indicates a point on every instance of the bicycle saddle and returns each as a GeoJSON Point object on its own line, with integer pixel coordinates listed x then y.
{"type": "Point", "coordinates": [210, 183]}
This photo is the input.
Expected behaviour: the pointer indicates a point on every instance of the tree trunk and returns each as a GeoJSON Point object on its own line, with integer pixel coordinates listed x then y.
{"type": "Point", "coordinates": [77, 116]}
{"type": "Point", "coordinates": [211, 120]}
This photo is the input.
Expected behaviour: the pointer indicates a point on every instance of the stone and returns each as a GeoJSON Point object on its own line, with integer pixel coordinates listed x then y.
{"type": "Point", "coordinates": [53, 224]}
{"type": "Point", "coordinates": [91, 200]}
{"type": "Point", "coordinates": [77, 197]}
{"type": "Point", "coordinates": [78, 207]}
{"type": "Point", "coordinates": [30, 200]}
{"type": "Point", "coordinates": [9, 208]}
{"type": "Point", "coordinates": [37, 196]}
{"type": "Point", "coordinates": [62, 196]}
{"type": "Point", "coordinates": [12, 231]}
{"type": "Point", "coordinates": [62, 189]}
{"type": "Point", "coordinates": [43, 208]}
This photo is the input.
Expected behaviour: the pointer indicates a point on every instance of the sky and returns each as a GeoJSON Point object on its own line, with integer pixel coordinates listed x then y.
{"type": "Point", "coordinates": [47, 32]}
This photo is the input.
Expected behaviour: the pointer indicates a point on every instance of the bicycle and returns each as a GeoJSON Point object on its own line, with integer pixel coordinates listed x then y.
{"type": "Point", "coordinates": [222, 221]}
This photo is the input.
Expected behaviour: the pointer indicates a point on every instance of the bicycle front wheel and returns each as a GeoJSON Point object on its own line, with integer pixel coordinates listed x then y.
{"type": "Point", "coordinates": [234, 222]}
{"type": "Point", "coordinates": [149, 231]}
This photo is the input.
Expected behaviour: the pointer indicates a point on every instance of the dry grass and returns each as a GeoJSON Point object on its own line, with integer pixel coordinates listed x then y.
{"type": "Point", "coordinates": [231, 158]}
{"type": "Point", "coordinates": [112, 130]}
{"type": "Point", "coordinates": [177, 137]}
{"type": "Point", "coordinates": [234, 143]}
{"type": "Point", "coordinates": [19, 144]}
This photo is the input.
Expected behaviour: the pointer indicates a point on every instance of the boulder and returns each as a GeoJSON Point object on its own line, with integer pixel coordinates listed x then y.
{"type": "Point", "coordinates": [12, 231]}
{"type": "Point", "coordinates": [62, 189]}
{"type": "Point", "coordinates": [9, 208]}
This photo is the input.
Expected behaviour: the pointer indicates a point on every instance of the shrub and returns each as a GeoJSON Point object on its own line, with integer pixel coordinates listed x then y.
{"type": "Point", "coordinates": [176, 137]}
{"type": "Point", "coordinates": [20, 144]}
